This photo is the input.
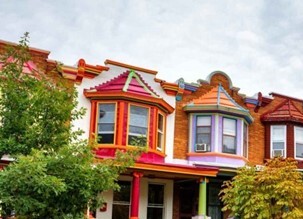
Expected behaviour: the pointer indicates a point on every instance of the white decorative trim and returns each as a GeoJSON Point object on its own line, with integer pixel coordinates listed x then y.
{"type": "Point", "coordinates": [284, 140]}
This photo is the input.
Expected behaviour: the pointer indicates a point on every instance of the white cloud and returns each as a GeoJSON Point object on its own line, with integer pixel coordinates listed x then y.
{"type": "Point", "coordinates": [257, 43]}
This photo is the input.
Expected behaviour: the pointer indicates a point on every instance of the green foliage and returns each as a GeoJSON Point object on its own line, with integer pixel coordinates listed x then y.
{"type": "Point", "coordinates": [274, 192]}
{"type": "Point", "coordinates": [59, 184]}
{"type": "Point", "coordinates": [140, 141]}
{"type": "Point", "coordinates": [36, 108]}
{"type": "Point", "coordinates": [55, 175]}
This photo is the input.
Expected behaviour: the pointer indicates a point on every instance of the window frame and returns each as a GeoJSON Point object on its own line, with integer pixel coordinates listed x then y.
{"type": "Point", "coordinates": [284, 140]}
{"type": "Point", "coordinates": [229, 135]}
{"type": "Point", "coordinates": [208, 146]}
{"type": "Point", "coordinates": [154, 205]}
{"type": "Point", "coordinates": [163, 132]}
{"type": "Point", "coordinates": [245, 137]}
{"type": "Point", "coordinates": [97, 121]}
{"type": "Point", "coordinates": [123, 203]}
{"type": "Point", "coordinates": [295, 142]}
{"type": "Point", "coordinates": [128, 124]}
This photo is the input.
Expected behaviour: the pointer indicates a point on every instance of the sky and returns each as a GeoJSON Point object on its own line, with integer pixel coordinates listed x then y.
{"type": "Point", "coordinates": [259, 44]}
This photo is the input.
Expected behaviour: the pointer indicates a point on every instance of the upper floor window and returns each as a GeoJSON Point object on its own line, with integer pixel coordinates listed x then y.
{"type": "Point", "coordinates": [245, 140]}
{"type": "Point", "coordinates": [229, 136]}
{"type": "Point", "coordinates": [138, 126]}
{"type": "Point", "coordinates": [278, 140]}
{"type": "Point", "coordinates": [203, 133]}
{"type": "Point", "coordinates": [106, 123]}
{"type": "Point", "coordinates": [160, 132]}
{"type": "Point", "coordinates": [299, 142]}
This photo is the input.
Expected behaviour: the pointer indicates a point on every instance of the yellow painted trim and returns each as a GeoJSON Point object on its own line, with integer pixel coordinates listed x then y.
{"type": "Point", "coordinates": [97, 118]}
{"type": "Point", "coordinates": [175, 169]}
{"type": "Point", "coordinates": [148, 122]}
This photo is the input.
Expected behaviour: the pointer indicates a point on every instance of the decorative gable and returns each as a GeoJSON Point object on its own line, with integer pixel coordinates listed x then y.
{"type": "Point", "coordinates": [286, 111]}
{"type": "Point", "coordinates": [130, 82]}
{"type": "Point", "coordinates": [130, 86]}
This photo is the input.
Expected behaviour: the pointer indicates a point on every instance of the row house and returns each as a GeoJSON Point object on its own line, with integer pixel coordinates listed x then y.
{"type": "Point", "coordinates": [130, 107]}
{"type": "Point", "coordinates": [195, 135]}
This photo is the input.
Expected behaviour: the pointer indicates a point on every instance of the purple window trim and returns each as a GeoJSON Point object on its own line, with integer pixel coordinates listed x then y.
{"type": "Point", "coordinates": [193, 119]}
{"type": "Point", "coordinates": [213, 130]}
{"type": "Point", "coordinates": [193, 130]}
{"type": "Point", "coordinates": [220, 134]}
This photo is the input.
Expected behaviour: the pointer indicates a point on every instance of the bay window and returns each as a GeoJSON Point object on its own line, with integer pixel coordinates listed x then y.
{"type": "Point", "coordinates": [229, 136]}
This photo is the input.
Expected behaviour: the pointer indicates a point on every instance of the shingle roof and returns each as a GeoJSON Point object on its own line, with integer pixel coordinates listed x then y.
{"type": "Point", "coordinates": [217, 99]}
{"type": "Point", "coordinates": [284, 111]}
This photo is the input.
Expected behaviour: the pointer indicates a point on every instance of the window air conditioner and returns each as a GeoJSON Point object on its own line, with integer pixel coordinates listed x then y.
{"type": "Point", "coordinates": [259, 167]}
{"type": "Point", "coordinates": [201, 147]}
{"type": "Point", "coordinates": [278, 153]}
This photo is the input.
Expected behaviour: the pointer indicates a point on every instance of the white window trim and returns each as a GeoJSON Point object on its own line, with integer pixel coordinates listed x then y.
{"type": "Point", "coordinates": [284, 139]}
{"type": "Point", "coordinates": [295, 141]}
{"type": "Point", "coordinates": [208, 146]}
{"type": "Point", "coordinates": [247, 135]}
{"type": "Point", "coordinates": [235, 136]}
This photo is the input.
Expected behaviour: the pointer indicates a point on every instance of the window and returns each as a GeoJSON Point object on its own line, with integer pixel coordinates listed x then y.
{"type": "Point", "coordinates": [106, 123]}
{"type": "Point", "coordinates": [155, 205]}
{"type": "Point", "coordinates": [299, 142]}
{"type": "Point", "coordinates": [245, 140]}
{"type": "Point", "coordinates": [160, 132]}
{"type": "Point", "coordinates": [121, 201]}
{"type": "Point", "coordinates": [203, 133]}
{"type": "Point", "coordinates": [229, 136]}
{"type": "Point", "coordinates": [138, 126]}
{"type": "Point", "coordinates": [278, 139]}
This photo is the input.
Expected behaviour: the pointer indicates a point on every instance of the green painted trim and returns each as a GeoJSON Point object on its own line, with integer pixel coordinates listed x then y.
{"type": "Point", "coordinates": [133, 74]}
{"type": "Point", "coordinates": [202, 198]}
{"type": "Point", "coordinates": [129, 78]}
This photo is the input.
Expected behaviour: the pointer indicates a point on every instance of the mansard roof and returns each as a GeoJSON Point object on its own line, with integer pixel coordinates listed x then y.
{"type": "Point", "coordinates": [217, 99]}
{"type": "Point", "coordinates": [286, 111]}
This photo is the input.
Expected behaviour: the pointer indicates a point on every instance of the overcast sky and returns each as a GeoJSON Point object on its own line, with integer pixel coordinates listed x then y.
{"type": "Point", "coordinates": [259, 44]}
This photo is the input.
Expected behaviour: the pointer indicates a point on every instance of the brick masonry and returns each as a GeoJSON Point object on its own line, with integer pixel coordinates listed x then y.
{"type": "Point", "coordinates": [259, 132]}
{"type": "Point", "coordinates": [181, 123]}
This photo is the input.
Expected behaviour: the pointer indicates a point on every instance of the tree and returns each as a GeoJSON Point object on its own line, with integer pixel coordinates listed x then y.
{"type": "Point", "coordinates": [273, 192]}
{"type": "Point", "coordinates": [58, 184]}
{"type": "Point", "coordinates": [54, 175]}
{"type": "Point", "coordinates": [36, 108]}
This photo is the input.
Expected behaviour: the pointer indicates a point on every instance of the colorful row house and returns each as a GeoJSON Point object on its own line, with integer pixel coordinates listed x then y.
{"type": "Point", "coordinates": [195, 135]}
